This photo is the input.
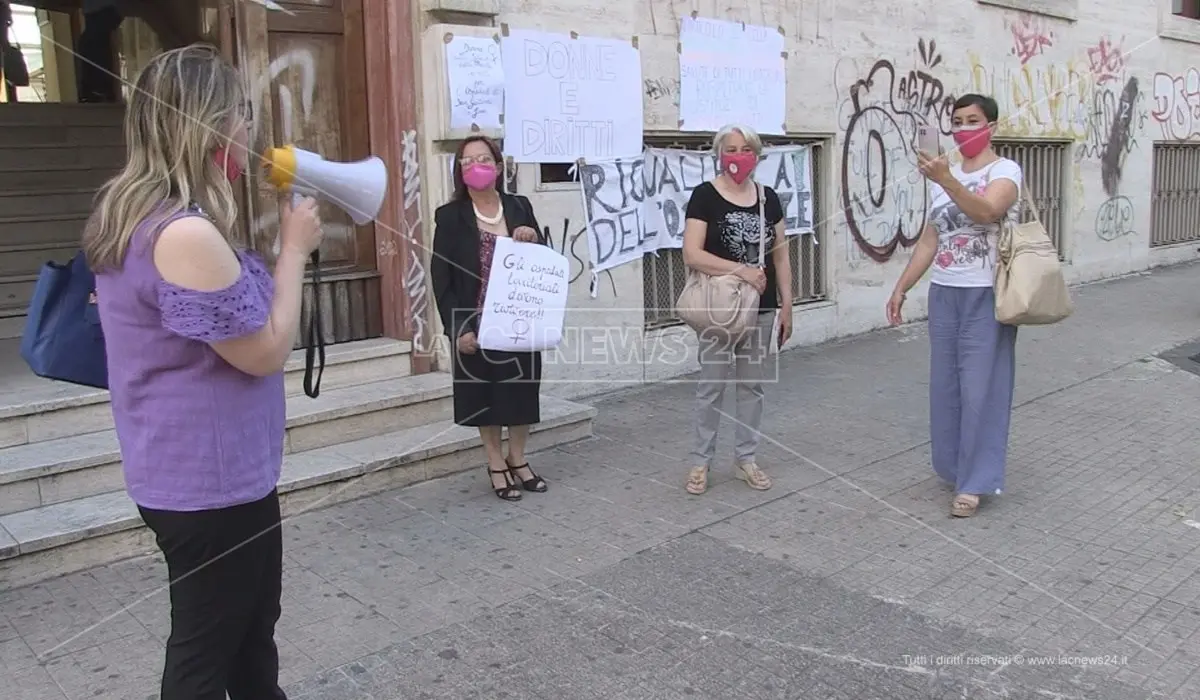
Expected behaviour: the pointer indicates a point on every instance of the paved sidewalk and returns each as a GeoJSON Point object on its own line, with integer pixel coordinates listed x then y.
{"type": "Point", "coordinates": [846, 581]}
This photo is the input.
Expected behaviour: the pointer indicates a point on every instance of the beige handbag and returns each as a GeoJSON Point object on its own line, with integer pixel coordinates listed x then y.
{"type": "Point", "coordinates": [1030, 287]}
{"type": "Point", "coordinates": [725, 306]}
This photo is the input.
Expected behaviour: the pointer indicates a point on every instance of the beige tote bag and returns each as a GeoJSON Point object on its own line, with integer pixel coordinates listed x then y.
{"type": "Point", "coordinates": [725, 306]}
{"type": "Point", "coordinates": [1029, 285]}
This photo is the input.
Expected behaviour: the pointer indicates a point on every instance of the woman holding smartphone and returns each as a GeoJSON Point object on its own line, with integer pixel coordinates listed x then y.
{"type": "Point", "coordinates": [972, 355]}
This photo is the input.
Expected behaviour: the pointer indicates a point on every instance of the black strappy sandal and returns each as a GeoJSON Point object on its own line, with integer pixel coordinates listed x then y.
{"type": "Point", "coordinates": [534, 483]}
{"type": "Point", "coordinates": [508, 491]}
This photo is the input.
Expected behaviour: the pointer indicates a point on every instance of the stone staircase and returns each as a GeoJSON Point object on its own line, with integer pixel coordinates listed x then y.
{"type": "Point", "coordinates": [375, 427]}
{"type": "Point", "coordinates": [53, 158]}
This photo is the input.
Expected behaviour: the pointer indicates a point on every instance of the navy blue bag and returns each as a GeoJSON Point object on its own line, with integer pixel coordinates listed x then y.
{"type": "Point", "coordinates": [62, 338]}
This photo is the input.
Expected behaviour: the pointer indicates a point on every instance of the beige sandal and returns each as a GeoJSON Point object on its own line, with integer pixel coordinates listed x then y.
{"type": "Point", "coordinates": [754, 477]}
{"type": "Point", "coordinates": [697, 482]}
{"type": "Point", "coordinates": [964, 505]}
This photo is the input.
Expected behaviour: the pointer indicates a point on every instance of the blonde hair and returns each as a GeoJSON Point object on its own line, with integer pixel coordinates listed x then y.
{"type": "Point", "coordinates": [181, 111]}
{"type": "Point", "coordinates": [752, 138]}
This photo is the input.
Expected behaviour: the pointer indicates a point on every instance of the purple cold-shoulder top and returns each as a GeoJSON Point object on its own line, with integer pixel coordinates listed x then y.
{"type": "Point", "coordinates": [195, 432]}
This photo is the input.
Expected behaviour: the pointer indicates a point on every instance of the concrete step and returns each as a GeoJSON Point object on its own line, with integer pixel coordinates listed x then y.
{"type": "Point", "coordinates": [25, 156]}
{"type": "Point", "coordinates": [61, 135]}
{"type": "Point", "coordinates": [57, 114]}
{"type": "Point", "coordinates": [57, 539]}
{"type": "Point", "coordinates": [11, 326]}
{"type": "Point", "coordinates": [51, 229]}
{"type": "Point", "coordinates": [53, 471]}
{"type": "Point", "coordinates": [40, 177]}
{"type": "Point", "coordinates": [58, 410]}
{"type": "Point", "coordinates": [15, 293]}
{"type": "Point", "coordinates": [41, 203]}
{"type": "Point", "coordinates": [26, 259]}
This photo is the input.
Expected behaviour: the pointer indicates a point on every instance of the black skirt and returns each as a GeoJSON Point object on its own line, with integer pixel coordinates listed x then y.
{"type": "Point", "coordinates": [493, 387]}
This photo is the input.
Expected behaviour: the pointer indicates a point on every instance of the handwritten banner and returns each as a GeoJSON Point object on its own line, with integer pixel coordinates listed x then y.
{"type": "Point", "coordinates": [569, 98]}
{"type": "Point", "coordinates": [635, 206]}
{"type": "Point", "coordinates": [476, 80]}
{"type": "Point", "coordinates": [731, 73]}
{"type": "Point", "coordinates": [526, 300]}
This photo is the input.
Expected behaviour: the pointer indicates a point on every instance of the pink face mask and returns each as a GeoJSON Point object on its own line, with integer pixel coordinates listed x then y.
{"type": "Point", "coordinates": [479, 176]}
{"type": "Point", "coordinates": [738, 166]}
{"type": "Point", "coordinates": [972, 140]}
{"type": "Point", "coordinates": [228, 163]}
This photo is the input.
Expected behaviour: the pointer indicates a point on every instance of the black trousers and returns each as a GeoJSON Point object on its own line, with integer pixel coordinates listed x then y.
{"type": "Point", "coordinates": [225, 568]}
{"type": "Point", "coordinates": [96, 84]}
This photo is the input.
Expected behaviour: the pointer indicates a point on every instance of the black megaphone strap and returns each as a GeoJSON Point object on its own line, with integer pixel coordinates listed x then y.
{"type": "Point", "coordinates": [314, 337]}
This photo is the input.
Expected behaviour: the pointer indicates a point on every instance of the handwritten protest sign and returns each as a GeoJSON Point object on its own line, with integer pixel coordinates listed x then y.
{"type": "Point", "coordinates": [526, 298]}
{"type": "Point", "coordinates": [569, 98]}
{"type": "Point", "coordinates": [731, 73]}
{"type": "Point", "coordinates": [635, 206]}
{"type": "Point", "coordinates": [476, 80]}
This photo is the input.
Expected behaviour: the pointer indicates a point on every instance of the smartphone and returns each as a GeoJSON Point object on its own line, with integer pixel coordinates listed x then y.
{"type": "Point", "coordinates": [927, 140]}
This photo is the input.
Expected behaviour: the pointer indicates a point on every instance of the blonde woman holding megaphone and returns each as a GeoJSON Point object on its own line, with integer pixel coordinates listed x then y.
{"type": "Point", "coordinates": [197, 327]}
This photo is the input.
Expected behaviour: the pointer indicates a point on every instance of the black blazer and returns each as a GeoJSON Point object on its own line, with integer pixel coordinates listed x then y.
{"type": "Point", "coordinates": [455, 264]}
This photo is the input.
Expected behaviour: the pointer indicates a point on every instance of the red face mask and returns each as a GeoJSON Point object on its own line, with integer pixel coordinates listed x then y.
{"type": "Point", "coordinates": [972, 141]}
{"type": "Point", "coordinates": [738, 166]}
{"type": "Point", "coordinates": [228, 163]}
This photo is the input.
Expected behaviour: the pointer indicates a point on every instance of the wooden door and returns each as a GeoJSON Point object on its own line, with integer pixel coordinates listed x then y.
{"type": "Point", "coordinates": [307, 74]}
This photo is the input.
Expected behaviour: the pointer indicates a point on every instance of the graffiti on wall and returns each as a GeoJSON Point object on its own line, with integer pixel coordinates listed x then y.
{"type": "Point", "coordinates": [568, 242]}
{"type": "Point", "coordinates": [1114, 219]}
{"type": "Point", "coordinates": [414, 270]}
{"type": "Point", "coordinates": [301, 60]}
{"type": "Point", "coordinates": [884, 195]}
{"type": "Point", "coordinates": [1106, 60]}
{"type": "Point", "coordinates": [1046, 100]}
{"type": "Point", "coordinates": [1030, 37]}
{"type": "Point", "coordinates": [1112, 133]}
{"type": "Point", "coordinates": [1177, 104]}
{"type": "Point", "coordinates": [658, 89]}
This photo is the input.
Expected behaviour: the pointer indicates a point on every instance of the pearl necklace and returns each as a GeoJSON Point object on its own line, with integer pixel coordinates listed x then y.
{"type": "Point", "coordinates": [490, 220]}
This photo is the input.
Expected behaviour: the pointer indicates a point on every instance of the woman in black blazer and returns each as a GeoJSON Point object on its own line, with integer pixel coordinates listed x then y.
{"type": "Point", "coordinates": [492, 389]}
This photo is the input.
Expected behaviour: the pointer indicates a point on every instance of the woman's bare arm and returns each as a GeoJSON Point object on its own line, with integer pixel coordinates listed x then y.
{"type": "Point", "coordinates": [191, 253]}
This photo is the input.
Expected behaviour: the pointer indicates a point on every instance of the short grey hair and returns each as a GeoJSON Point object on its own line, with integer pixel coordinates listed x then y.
{"type": "Point", "coordinates": [752, 138]}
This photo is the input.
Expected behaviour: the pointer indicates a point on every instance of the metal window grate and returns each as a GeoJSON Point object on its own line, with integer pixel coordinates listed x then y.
{"type": "Point", "coordinates": [663, 275]}
{"type": "Point", "coordinates": [1175, 198]}
{"type": "Point", "coordinates": [1044, 170]}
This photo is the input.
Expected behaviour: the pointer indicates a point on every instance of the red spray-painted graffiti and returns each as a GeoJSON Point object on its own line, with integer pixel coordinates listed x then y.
{"type": "Point", "coordinates": [1030, 37]}
{"type": "Point", "coordinates": [1107, 60]}
{"type": "Point", "coordinates": [1177, 104]}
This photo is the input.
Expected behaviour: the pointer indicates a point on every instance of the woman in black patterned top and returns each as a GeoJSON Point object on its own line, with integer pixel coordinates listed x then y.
{"type": "Point", "coordinates": [723, 234]}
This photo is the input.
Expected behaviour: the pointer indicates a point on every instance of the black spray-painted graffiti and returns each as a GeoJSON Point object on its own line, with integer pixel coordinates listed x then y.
{"type": "Point", "coordinates": [1111, 135]}
{"type": "Point", "coordinates": [662, 89]}
{"type": "Point", "coordinates": [566, 244]}
{"type": "Point", "coordinates": [1115, 219]}
{"type": "Point", "coordinates": [884, 195]}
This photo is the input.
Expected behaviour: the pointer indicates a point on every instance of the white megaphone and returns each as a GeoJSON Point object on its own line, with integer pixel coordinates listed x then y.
{"type": "Point", "coordinates": [357, 188]}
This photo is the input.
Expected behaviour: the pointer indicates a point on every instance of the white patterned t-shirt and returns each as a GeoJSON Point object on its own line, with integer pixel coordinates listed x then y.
{"type": "Point", "coordinates": [966, 253]}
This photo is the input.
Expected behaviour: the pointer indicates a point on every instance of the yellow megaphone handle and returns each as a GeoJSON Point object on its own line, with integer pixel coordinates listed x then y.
{"type": "Point", "coordinates": [281, 167]}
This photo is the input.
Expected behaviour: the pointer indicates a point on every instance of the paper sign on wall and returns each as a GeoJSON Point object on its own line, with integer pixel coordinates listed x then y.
{"type": "Point", "coordinates": [570, 98]}
{"type": "Point", "coordinates": [476, 80]}
{"type": "Point", "coordinates": [731, 73]}
{"type": "Point", "coordinates": [526, 300]}
{"type": "Point", "coordinates": [635, 206]}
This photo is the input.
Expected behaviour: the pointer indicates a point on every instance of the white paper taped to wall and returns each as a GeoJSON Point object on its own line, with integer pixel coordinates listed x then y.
{"type": "Point", "coordinates": [731, 73]}
{"type": "Point", "coordinates": [568, 97]}
{"type": "Point", "coordinates": [475, 78]}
